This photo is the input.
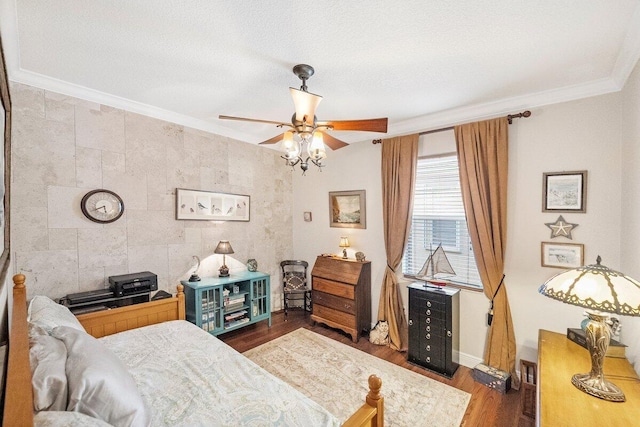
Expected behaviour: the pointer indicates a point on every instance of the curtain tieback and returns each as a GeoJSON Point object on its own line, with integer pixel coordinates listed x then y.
{"type": "Point", "coordinates": [490, 313]}
{"type": "Point", "coordinates": [391, 268]}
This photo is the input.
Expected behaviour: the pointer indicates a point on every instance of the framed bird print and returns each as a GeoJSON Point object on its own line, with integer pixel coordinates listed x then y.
{"type": "Point", "coordinates": [210, 206]}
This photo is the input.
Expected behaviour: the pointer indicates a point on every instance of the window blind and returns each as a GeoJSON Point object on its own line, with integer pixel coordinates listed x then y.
{"type": "Point", "coordinates": [438, 219]}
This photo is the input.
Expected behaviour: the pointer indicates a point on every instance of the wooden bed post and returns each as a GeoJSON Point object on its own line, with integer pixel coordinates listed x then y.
{"type": "Point", "coordinates": [18, 404]}
{"type": "Point", "coordinates": [180, 296]}
{"type": "Point", "coordinates": [374, 399]}
{"type": "Point", "coordinates": [371, 414]}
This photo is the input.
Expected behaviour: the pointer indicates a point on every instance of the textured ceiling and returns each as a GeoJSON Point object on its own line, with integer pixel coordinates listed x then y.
{"type": "Point", "coordinates": [421, 63]}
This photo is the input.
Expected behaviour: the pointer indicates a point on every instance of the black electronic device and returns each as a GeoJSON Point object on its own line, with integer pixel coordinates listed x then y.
{"type": "Point", "coordinates": [134, 283]}
{"type": "Point", "coordinates": [161, 295]}
{"type": "Point", "coordinates": [90, 296]}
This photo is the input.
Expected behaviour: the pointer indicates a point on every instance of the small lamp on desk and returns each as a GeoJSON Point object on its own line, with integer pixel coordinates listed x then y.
{"type": "Point", "coordinates": [224, 248]}
{"type": "Point", "coordinates": [344, 244]}
{"type": "Point", "coordinates": [601, 291]}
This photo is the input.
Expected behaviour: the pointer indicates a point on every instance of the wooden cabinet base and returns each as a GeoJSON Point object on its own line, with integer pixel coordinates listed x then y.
{"type": "Point", "coordinates": [341, 296]}
{"type": "Point", "coordinates": [355, 335]}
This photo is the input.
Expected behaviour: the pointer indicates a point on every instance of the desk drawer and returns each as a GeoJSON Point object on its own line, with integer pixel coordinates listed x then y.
{"type": "Point", "coordinates": [339, 317]}
{"type": "Point", "coordinates": [334, 288]}
{"type": "Point", "coordinates": [328, 300]}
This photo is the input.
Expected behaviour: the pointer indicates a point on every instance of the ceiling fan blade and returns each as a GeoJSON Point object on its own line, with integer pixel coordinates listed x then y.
{"type": "Point", "coordinates": [253, 120]}
{"type": "Point", "coordinates": [275, 139]}
{"type": "Point", "coordinates": [332, 142]}
{"type": "Point", "coordinates": [369, 125]}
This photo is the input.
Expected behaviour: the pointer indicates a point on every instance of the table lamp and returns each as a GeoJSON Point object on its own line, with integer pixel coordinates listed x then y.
{"type": "Point", "coordinates": [344, 244]}
{"type": "Point", "coordinates": [601, 291]}
{"type": "Point", "coordinates": [223, 248]}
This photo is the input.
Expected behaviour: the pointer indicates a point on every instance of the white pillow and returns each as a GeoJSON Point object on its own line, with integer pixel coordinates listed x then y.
{"type": "Point", "coordinates": [66, 419]}
{"type": "Point", "coordinates": [48, 357]}
{"type": "Point", "coordinates": [99, 384]}
{"type": "Point", "coordinates": [48, 314]}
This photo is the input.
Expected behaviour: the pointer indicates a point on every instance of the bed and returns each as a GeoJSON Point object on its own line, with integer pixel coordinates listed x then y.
{"type": "Point", "coordinates": [170, 361]}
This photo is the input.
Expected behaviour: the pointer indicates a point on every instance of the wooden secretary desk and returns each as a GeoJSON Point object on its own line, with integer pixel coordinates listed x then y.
{"type": "Point", "coordinates": [560, 403]}
{"type": "Point", "coordinates": [341, 294]}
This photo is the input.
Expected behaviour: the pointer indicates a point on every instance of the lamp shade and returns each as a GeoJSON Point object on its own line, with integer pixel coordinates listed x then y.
{"type": "Point", "coordinates": [344, 242]}
{"type": "Point", "coordinates": [305, 104]}
{"type": "Point", "coordinates": [224, 247]}
{"type": "Point", "coordinates": [290, 146]}
{"type": "Point", "coordinates": [315, 148]}
{"type": "Point", "coordinates": [595, 287]}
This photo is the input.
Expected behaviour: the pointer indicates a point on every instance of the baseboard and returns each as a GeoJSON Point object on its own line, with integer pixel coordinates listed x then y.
{"type": "Point", "coordinates": [468, 360]}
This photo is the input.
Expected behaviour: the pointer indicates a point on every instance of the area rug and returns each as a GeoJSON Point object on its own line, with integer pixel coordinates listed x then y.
{"type": "Point", "coordinates": [335, 376]}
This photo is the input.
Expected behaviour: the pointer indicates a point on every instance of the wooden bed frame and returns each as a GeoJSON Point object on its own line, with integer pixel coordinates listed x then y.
{"type": "Point", "coordinates": [18, 405]}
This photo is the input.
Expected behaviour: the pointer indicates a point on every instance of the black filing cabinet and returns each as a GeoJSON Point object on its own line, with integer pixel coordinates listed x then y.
{"type": "Point", "coordinates": [434, 328]}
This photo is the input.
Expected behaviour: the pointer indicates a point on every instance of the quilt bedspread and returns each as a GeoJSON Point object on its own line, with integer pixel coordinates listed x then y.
{"type": "Point", "coordinates": [191, 378]}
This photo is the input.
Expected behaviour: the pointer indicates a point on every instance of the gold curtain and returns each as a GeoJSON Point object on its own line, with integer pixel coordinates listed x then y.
{"type": "Point", "coordinates": [483, 159]}
{"type": "Point", "coordinates": [399, 159]}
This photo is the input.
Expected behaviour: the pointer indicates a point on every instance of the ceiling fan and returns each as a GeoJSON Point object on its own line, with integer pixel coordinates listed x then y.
{"type": "Point", "coordinates": [309, 131]}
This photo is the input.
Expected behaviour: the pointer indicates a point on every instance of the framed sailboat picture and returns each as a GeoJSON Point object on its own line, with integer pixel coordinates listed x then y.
{"type": "Point", "coordinates": [437, 268]}
{"type": "Point", "coordinates": [348, 209]}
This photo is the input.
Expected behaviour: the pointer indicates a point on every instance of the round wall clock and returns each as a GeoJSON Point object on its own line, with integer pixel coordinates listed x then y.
{"type": "Point", "coordinates": [102, 206]}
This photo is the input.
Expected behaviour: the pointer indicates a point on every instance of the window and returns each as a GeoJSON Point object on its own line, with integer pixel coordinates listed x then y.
{"type": "Point", "coordinates": [438, 219]}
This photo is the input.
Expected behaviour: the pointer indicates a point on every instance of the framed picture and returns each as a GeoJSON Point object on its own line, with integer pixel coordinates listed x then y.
{"type": "Point", "coordinates": [564, 191]}
{"type": "Point", "coordinates": [562, 255]}
{"type": "Point", "coordinates": [348, 209]}
{"type": "Point", "coordinates": [210, 206]}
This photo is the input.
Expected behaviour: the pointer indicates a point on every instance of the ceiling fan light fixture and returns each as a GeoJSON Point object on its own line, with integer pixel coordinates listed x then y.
{"type": "Point", "coordinates": [290, 146]}
{"type": "Point", "coordinates": [304, 135]}
{"type": "Point", "coordinates": [316, 148]}
{"type": "Point", "coordinates": [305, 104]}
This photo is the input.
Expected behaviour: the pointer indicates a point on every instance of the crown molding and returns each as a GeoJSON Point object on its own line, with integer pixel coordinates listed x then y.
{"type": "Point", "coordinates": [87, 94]}
{"type": "Point", "coordinates": [503, 106]}
{"type": "Point", "coordinates": [629, 52]}
{"type": "Point", "coordinates": [418, 124]}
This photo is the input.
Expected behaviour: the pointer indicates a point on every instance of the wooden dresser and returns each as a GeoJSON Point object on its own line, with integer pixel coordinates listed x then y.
{"type": "Point", "coordinates": [559, 403]}
{"type": "Point", "coordinates": [342, 294]}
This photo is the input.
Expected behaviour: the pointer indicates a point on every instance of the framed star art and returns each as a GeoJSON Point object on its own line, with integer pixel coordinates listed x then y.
{"type": "Point", "coordinates": [561, 228]}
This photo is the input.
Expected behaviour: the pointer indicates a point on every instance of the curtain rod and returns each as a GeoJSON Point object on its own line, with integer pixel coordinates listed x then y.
{"type": "Point", "coordinates": [510, 118]}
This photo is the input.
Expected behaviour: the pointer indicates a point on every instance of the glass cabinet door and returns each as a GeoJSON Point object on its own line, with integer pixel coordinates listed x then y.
{"type": "Point", "coordinates": [211, 309]}
{"type": "Point", "coordinates": [259, 298]}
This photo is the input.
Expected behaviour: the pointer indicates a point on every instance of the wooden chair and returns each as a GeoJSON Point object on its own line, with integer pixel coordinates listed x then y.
{"type": "Point", "coordinates": [294, 284]}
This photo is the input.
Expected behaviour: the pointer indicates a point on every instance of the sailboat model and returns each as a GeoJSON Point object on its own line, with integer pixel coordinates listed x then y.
{"type": "Point", "coordinates": [437, 263]}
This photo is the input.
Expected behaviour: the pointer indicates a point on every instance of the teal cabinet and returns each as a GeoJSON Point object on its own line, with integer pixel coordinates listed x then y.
{"type": "Point", "coordinates": [221, 304]}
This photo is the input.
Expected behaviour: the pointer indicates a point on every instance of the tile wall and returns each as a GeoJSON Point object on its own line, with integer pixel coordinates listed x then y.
{"type": "Point", "coordinates": [63, 147]}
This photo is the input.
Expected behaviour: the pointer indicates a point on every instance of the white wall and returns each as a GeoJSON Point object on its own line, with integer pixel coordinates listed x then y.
{"type": "Point", "coordinates": [630, 225]}
{"type": "Point", "coordinates": [356, 167]}
{"type": "Point", "coordinates": [580, 135]}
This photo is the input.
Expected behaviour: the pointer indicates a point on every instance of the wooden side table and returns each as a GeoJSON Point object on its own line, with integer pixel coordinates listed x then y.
{"type": "Point", "coordinates": [559, 403]}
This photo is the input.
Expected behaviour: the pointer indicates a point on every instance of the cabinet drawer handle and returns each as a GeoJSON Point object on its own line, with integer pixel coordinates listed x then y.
{"type": "Point", "coordinates": [449, 334]}
{"type": "Point", "coordinates": [347, 306]}
{"type": "Point", "coordinates": [428, 312]}
{"type": "Point", "coordinates": [410, 322]}
{"type": "Point", "coordinates": [428, 327]}
{"type": "Point", "coordinates": [428, 348]}
{"type": "Point", "coordinates": [428, 336]}
{"type": "Point", "coordinates": [428, 359]}
{"type": "Point", "coordinates": [428, 303]}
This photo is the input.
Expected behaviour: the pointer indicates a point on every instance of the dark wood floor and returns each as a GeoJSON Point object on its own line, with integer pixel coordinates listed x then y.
{"type": "Point", "coordinates": [486, 408]}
